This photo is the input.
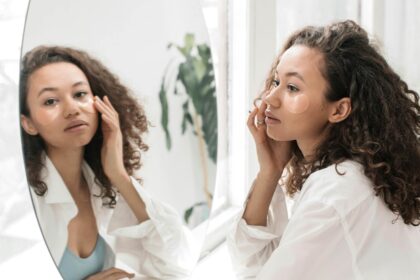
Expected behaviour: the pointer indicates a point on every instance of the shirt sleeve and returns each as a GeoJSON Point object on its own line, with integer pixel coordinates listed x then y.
{"type": "Point", "coordinates": [160, 247]}
{"type": "Point", "coordinates": [313, 246]}
{"type": "Point", "coordinates": [251, 246]}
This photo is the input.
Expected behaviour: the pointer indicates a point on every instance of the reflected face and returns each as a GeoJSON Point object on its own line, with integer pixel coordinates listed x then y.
{"type": "Point", "coordinates": [297, 107]}
{"type": "Point", "coordinates": [60, 103]}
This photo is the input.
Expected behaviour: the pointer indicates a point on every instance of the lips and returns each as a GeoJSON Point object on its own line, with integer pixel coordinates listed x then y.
{"type": "Point", "coordinates": [270, 116]}
{"type": "Point", "coordinates": [74, 124]}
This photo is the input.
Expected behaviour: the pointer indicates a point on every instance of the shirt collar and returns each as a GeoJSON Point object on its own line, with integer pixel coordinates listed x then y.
{"type": "Point", "coordinates": [57, 190]}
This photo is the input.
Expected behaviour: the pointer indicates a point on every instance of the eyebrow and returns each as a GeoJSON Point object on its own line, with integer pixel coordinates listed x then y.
{"type": "Point", "coordinates": [56, 89]}
{"type": "Point", "coordinates": [294, 74]}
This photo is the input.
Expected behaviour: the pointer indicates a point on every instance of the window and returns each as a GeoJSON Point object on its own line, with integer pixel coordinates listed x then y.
{"type": "Point", "coordinates": [245, 37]}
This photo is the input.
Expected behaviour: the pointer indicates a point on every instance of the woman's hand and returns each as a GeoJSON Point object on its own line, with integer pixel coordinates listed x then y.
{"type": "Point", "coordinates": [111, 274]}
{"type": "Point", "coordinates": [112, 158]}
{"type": "Point", "coordinates": [272, 155]}
{"type": "Point", "coordinates": [112, 146]}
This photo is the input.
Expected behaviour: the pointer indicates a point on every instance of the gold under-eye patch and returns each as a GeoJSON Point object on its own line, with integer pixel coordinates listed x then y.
{"type": "Point", "coordinates": [296, 104]}
{"type": "Point", "coordinates": [87, 105]}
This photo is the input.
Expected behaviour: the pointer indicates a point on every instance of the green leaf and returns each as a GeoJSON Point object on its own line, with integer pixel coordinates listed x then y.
{"type": "Point", "coordinates": [185, 106]}
{"type": "Point", "coordinates": [182, 50]}
{"type": "Point", "coordinates": [165, 113]}
{"type": "Point", "coordinates": [188, 77]}
{"type": "Point", "coordinates": [189, 211]}
{"type": "Point", "coordinates": [186, 118]}
{"type": "Point", "coordinates": [204, 52]}
{"type": "Point", "coordinates": [189, 118]}
{"type": "Point", "coordinates": [200, 69]}
{"type": "Point", "coordinates": [196, 75]}
{"type": "Point", "coordinates": [189, 41]}
{"type": "Point", "coordinates": [183, 125]}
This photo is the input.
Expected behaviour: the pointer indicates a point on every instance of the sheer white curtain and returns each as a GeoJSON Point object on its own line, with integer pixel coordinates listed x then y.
{"type": "Point", "coordinates": [292, 15]}
{"type": "Point", "coordinates": [400, 39]}
{"type": "Point", "coordinates": [392, 23]}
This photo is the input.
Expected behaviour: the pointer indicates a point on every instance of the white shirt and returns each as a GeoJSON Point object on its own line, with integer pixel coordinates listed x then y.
{"type": "Point", "coordinates": [160, 247]}
{"type": "Point", "coordinates": [338, 229]}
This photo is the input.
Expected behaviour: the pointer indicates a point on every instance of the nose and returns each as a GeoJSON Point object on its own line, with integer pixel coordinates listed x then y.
{"type": "Point", "coordinates": [273, 98]}
{"type": "Point", "coordinates": [71, 108]}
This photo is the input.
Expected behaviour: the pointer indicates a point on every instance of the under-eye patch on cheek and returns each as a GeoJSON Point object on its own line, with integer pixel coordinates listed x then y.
{"type": "Point", "coordinates": [296, 104]}
{"type": "Point", "coordinates": [87, 105]}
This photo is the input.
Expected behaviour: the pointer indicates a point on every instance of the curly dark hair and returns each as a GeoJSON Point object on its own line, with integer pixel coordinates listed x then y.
{"type": "Point", "coordinates": [383, 128]}
{"type": "Point", "coordinates": [132, 118]}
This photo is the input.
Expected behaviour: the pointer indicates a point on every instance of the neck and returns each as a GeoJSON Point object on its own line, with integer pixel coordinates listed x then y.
{"type": "Point", "coordinates": [68, 163]}
{"type": "Point", "coordinates": [308, 146]}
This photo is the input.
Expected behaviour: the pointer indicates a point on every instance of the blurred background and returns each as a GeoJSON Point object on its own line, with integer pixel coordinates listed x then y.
{"type": "Point", "coordinates": [245, 36]}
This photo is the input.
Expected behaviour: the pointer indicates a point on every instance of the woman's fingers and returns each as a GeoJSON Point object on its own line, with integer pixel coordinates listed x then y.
{"type": "Point", "coordinates": [110, 122]}
{"type": "Point", "coordinates": [119, 275]}
{"type": "Point", "coordinates": [108, 102]}
{"type": "Point", "coordinates": [256, 127]}
{"type": "Point", "coordinates": [261, 112]}
{"type": "Point", "coordinates": [108, 113]}
{"type": "Point", "coordinates": [251, 120]}
{"type": "Point", "coordinates": [111, 274]}
{"type": "Point", "coordinates": [105, 108]}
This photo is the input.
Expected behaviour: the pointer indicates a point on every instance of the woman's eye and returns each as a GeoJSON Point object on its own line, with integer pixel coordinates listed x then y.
{"type": "Point", "coordinates": [80, 94]}
{"type": "Point", "coordinates": [292, 88]}
{"type": "Point", "coordinates": [276, 83]}
{"type": "Point", "coordinates": [50, 102]}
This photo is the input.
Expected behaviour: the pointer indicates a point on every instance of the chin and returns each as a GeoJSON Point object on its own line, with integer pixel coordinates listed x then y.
{"type": "Point", "coordinates": [80, 141]}
{"type": "Point", "coordinates": [277, 135]}
{"type": "Point", "coordinates": [280, 139]}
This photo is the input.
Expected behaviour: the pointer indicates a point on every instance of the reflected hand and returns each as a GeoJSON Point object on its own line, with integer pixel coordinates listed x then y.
{"type": "Point", "coordinates": [272, 155]}
{"type": "Point", "coordinates": [111, 274]}
{"type": "Point", "coordinates": [112, 146]}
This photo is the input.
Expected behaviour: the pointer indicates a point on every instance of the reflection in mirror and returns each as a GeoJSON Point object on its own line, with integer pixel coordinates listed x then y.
{"type": "Point", "coordinates": [193, 81]}
{"type": "Point", "coordinates": [90, 90]}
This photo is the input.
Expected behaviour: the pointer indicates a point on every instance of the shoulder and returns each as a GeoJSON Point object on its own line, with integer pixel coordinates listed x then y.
{"type": "Point", "coordinates": [343, 186]}
{"type": "Point", "coordinates": [347, 172]}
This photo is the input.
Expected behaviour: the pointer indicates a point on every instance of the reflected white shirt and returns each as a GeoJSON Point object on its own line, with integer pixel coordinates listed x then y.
{"type": "Point", "coordinates": [338, 229]}
{"type": "Point", "coordinates": [160, 247]}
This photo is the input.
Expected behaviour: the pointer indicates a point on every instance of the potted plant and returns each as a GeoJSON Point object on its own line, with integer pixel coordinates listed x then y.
{"type": "Point", "coordinates": [194, 82]}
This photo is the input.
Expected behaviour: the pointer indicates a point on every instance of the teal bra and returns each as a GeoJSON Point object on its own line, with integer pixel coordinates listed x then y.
{"type": "Point", "coordinates": [73, 267]}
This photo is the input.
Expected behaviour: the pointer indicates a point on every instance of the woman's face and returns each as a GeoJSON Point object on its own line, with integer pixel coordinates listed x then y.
{"type": "Point", "coordinates": [296, 105]}
{"type": "Point", "coordinates": [60, 103]}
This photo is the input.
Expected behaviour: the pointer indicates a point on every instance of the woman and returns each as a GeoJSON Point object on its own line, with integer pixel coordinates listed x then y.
{"type": "Point", "coordinates": [345, 127]}
{"type": "Point", "coordinates": [82, 142]}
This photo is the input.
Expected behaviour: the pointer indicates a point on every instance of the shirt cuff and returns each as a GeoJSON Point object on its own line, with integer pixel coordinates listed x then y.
{"type": "Point", "coordinates": [162, 217]}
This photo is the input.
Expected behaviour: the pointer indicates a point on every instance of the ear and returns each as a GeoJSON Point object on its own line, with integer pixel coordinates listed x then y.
{"type": "Point", "coordinates": [340, 110]}
{"type": "Point", "coordinates": [28, 125]}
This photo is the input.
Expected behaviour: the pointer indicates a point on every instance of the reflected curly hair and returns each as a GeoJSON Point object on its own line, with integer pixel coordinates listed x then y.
{"type": "Point", "coordinates": [132, 118]}
{"type": "Point", "coordinates": [383, 128]}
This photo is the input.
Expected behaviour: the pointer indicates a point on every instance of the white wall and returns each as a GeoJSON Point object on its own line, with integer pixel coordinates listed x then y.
{"type": "Point", "coordinates": [131, 38]}
{"type": "Point", "coordinates": [401, 43]}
